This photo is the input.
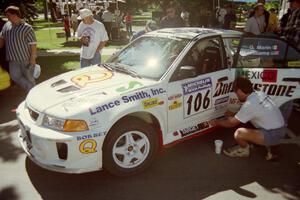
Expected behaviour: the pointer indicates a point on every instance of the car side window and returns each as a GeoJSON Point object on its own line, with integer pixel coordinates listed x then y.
{"type": "Point", "coordinates": [206, 56]}
{"type": "Point", "coordinates": [260, 52]}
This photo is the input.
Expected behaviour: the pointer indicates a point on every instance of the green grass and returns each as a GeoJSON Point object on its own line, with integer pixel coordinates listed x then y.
{"type": "Point", "coordinates": [47, 39]}
{"type": "Point", "coordinates": [42, 23]}
{"type": "Point", "coordinates": [55, 65]}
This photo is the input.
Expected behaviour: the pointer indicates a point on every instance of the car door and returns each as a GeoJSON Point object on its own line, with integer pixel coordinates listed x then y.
{"type": "Point", "coordinates": [194, 95]}
{"type": "Point", "coordinates": [272, 65]}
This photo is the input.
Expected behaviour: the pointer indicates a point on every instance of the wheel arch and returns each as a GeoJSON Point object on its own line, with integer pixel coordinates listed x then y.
{"type": "Point", "coordinates": [147, 118]}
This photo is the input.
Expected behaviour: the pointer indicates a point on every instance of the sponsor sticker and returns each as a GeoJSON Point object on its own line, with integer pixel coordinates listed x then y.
{"type": "Point", "coordinates": [221, 100]}
{"type": "Point", "coordinates": [131, 85]}
{"type": "Point", "coordinates": [88, 146]}
{"type": "Point", "coordinates": [90, 136]}
{"type": "Point", "coordinates": [174, 97]}
{"type": "Point", "coordinates": [195, 86]}
{"type": "Point", "coordinates": [268, 75]}
{"type": "Point", "coordinates": [150, 103]}
{"type": "Point", "coordinates": [175, 104]}
{"type": "Point", "coordinates": [294, 63]}
{"type": "Point", "coordinates": [193, 129]}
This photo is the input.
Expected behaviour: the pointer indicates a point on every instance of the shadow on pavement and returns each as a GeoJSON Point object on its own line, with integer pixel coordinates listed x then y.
{"type": "Point", "coordinates": [10, 99]}
{"type": "Point", "coordinates": [8, 193]}
{"type": "Point", "coordinates": [190, 170]}
{"type": "Point", "coordinates": [9, 151]}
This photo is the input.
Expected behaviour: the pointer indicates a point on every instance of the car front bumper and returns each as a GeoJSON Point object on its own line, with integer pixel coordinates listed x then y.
{"type": "Point", "coordinates": [57, 151]}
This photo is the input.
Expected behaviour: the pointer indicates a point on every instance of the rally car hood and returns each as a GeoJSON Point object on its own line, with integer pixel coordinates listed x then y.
{"type": "Point", "coordinates": [81, 84]}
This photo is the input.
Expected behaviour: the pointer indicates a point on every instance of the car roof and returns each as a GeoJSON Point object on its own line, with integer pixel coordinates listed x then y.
{"type": "Point", "coordinates": [190, 33]}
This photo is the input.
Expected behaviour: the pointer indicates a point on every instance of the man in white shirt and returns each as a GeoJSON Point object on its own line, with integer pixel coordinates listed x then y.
{"type": "Point", "coordinates": [256, 24]}
{"type": "Point", "coordinates": [261, 111]}
{"type": "Point", "coordinates": [92, 36]}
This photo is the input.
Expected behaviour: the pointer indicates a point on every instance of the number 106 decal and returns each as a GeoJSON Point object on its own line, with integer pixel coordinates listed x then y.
{"type": "Point", "coordinates": [197, 102]}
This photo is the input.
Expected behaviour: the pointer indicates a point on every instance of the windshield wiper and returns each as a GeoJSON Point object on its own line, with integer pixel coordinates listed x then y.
{"type": "Point", "coordinates": [121, 68]}
{"type": "Point", "coordinates": [106, 66]}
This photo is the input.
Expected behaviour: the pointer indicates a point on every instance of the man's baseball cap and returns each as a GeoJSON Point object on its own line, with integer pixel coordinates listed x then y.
{"type": "Point", "coordinates": [37, 71]}
{"type": "Point", "coordinates": [85, 13]}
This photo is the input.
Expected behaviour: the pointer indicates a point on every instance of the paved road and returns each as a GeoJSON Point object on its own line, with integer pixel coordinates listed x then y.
{"type": "Point", "coordinates": [188, 171]}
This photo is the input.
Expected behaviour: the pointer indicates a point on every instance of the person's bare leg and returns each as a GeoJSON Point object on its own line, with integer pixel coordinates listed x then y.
{"type": "Point", "coordinates": [245, 135]}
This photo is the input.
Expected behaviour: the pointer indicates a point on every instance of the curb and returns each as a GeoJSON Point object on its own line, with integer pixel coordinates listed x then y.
{"type": "Point", "coordinates": [70, 52]}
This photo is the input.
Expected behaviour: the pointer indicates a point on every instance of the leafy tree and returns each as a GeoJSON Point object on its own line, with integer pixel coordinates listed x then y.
{"type": "Point", "coordinates": [27, 8]}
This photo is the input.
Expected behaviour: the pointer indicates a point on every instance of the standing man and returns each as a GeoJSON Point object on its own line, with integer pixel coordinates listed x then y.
{"type": "Point", "coordinates": [292, 29]}
{"type": "Point", "coordinates": [92, 36]}
{"type": "Point", "coordinates": [220, 15]}
{"type": "Point", "coordinates": [107, 18]}
{"type": "Point", "coordinates": [256, 24]}
{"type": "Point", "coordinates": [171, 20]}
{"type": "Point", "coordinates": [261, 111]}
{"type": "Point", "coordinates": [20, 44]}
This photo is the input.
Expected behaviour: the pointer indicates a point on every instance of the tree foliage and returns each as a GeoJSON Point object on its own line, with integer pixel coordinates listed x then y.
{"type": "Point", "coordinates": [27, 8]}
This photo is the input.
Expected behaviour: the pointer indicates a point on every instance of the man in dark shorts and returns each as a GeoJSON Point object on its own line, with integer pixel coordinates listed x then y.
{"type": "Point", "coordinates": [261, 111]}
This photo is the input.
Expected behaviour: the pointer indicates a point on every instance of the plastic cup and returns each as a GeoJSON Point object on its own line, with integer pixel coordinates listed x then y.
{"type": "Point", "coordinates": [218, 146]}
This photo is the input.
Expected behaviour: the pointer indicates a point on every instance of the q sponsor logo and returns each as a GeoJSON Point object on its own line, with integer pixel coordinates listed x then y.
{"type": "Point", "coordinates": [92, 77]}
{"type": "Point", "coordinates": [88, 146]}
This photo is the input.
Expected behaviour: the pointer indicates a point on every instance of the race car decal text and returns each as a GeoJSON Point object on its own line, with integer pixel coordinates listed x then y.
{"type": "Point", "coordinates": [89, 136]}
{"type": "Point", "coordinates": [150, 103]}
{"type": "Point", "coordinates": [275, 90]}
{"type": "Point", "coordinates": [200, 103]}
{"type": "Point", "coordinates": [197, 96]}
{"type": "Point", "coordinates": [129, 98]}
{"type": "Point", "coordinates": [223, 88]}
{"type": "Point", "coordinates": [195, 86]}
{"type": "Point", "coordinates": [193, 129]}
{"type": "Point", "coordinates": [265, 75]}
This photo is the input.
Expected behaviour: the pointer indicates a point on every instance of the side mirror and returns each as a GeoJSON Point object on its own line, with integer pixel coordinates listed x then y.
{"type": "Point", "coordinates": [186, 72]}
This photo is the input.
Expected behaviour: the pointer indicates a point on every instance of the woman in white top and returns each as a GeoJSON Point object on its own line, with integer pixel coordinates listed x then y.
{"type": "Point", "coordinates": [256, 24]}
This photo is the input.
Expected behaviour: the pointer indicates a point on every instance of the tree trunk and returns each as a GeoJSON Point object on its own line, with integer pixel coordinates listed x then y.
{"type": "Point", "coordinates": [45, 9]}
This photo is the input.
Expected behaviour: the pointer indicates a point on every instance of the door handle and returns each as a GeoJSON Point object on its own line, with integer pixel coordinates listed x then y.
{"type": "Point", "coordinates": [291, 79]}
{"type": "Point", "coordinates": [224, 78]}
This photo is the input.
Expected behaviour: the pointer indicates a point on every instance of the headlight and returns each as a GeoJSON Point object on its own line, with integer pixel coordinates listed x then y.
{"type": "Point", "coordinates": [54, 123]}
{"type": "Point", "coordinates": [64, 125]}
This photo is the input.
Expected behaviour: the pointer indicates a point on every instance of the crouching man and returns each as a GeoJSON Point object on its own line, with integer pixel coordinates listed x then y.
{"type": "Point", "coordinates": [261, 111]}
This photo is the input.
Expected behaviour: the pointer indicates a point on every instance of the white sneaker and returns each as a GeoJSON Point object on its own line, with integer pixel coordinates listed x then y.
{"type": "Point", "coordinates": [237, 151]}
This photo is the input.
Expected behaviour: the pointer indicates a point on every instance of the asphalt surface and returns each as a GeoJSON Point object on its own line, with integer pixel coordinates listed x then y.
{"type": "Point", "coordinates": [187, 171]}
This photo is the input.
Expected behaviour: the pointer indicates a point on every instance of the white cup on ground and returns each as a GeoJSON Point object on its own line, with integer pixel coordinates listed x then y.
{"type": "Point", "coordinates": [218, 146]}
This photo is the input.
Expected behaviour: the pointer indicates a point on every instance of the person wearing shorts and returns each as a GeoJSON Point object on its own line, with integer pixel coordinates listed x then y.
{"type": "Point", "coordinates": [261, 111]}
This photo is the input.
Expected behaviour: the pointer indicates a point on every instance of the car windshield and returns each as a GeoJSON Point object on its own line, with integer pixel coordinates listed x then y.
{"type": "Point", "coordinates": [149, 57]}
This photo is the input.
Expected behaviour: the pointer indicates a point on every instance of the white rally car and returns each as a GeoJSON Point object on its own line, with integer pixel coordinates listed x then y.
{"type": "Point", "coordinates": [162, 88]}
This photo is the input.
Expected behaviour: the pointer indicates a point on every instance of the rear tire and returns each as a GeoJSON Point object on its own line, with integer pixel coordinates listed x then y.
{"type": "Point", "coordinates": [130, 147]}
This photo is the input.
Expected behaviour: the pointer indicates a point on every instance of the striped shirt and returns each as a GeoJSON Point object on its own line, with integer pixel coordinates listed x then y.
{"type": "Point", "coordinates": [17, 41]}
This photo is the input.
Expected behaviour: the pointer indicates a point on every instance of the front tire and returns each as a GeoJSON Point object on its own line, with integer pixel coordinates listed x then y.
{"type": "Point", "coordinates": [130, 147]}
